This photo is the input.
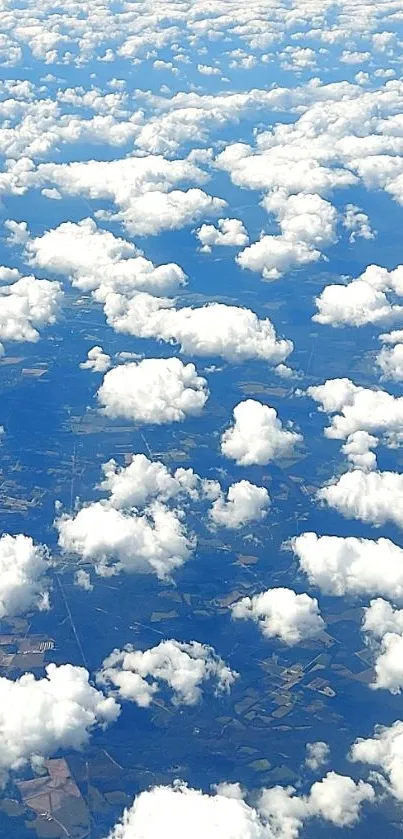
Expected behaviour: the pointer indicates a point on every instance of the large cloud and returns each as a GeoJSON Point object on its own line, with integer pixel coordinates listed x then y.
{"type": "Point", "coordinates": [116, 540]}
{"type": "Point", "coordinates": [385, 752]}
{"type": "Point", "coordinates": [278, 812]}
{"type": "Point", "coordinates": [134, 529]}
{"type": "Point", "coordinates": [359, 408]}
{"type": "Point", "coordinates": [282, 613]}
{"type": "Point", "coordinates": [23, 582]}
{"type": "Point", "coordinates": [361, 301]}
{"type": "Point", "coordinates": [96, 260]}
{"type": "Point", "coordinates": [141, 188]}
{"type": "Point", "coordinates": [257, 435]}
{"type": "Point", "coordinates": [155, 390]}
{"type": "Point", "coordinates": [136, 675]}
{"type": "Point", "coordinates": [244, 503]}
{"type": "Point", "coordinates": [342, 566]}
{"type": "Point", "coordinates": [374, 497]}
{"type": "Point", "coordinates": [40, 716]}
{"type": "Point", "coordinates": [234, 333]}
{"type": "Point", "coordinates": [27, 305]}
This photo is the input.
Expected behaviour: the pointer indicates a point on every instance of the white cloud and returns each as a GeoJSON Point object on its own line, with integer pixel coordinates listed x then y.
{"type": "Point", "coordinates": [350, 566]}
{"type": "Point", "coordinates": [230, 232]}
{"type": "Point", "coordinates": [283, 614]}
{"type": "Point", "coordinates": [181, 811]}
{"type": "Point", "coordinates": [362, 301]}
{"type": "Point", "coordinates": [357, 222]}
{"type": "Point", "coordinates": [232, 332]}
{"type": "Point", "coordinates": [82, 579]}
{"type": "Point", "coordinates": [26, 306]}
{"type": "Point", "coordinates": [142, 479]}
{"type": "Point", "coordinates": [40, 716]}
{"type": "Point", "coordinates": [141, 188]}
{"type": "Point", "coordinates": [374, 497]}
{"type": "Point", "coordinates": [390, 358]}
{"type": "Point", "coordinates": [95, 260]}
{"type": "Point", "coordinates": [385, 751]}
{"type": "Point", "coordinates": [136, 675]}
{"type": "Point", "coordinates": [23, 582]}
{"type": "Point", "coordinates": [257, 435]}
{"type": "Point", "coordinates": [115, 540]}
{"type": "Point", "coordinates": [244, 503]}
{"type": "Point", "coordinates": [134, 530]}
{"type": "Point", "coordinates": [359, 408]}
{"type": "Point", "coordinates": [357, 448]}
{"type": "Point", "coordinates": [155, 390]}
{"type": "Point", "coordinates": [97, 361]}
{"type": "Point", "coordinates": [317, 754]}
{"type": "Point", "coordinates": [383, 626]}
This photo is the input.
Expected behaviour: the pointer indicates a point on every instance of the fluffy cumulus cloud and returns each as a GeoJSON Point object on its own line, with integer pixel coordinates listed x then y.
{"type": "Point", "coordinates": [26, 306]}
{"type": "Point", "coordinates": [23, 582]}
{"type": "Point", "coordinates": [138, 675]}
{"type": "Point", "coordinates": [307, 224]}
{"type": "Point", "coordinates": [244, 503]}
{"type": "Point", "coordinates": [257, 435]}
{"type": "Point", "coordinates": [363, 300]}
{"type": "Point", "coordinates": [358, 447]}
{"type": "Point", "coordinates": [117, 540]}
{"type": "Point", "coordinates": [133, 529]}
{"type": "Point", "coordinates": [155, 390]}
{"type": "Point", "coordinates": [357, 223]}
{"type": "Point", "coordinates": [40, 716]}
{"type": "Point", "coordinates": [385, 752]}
{"type": "Point", "coordinates": [278, 813]}
{"type": "Point", "coordinates": [383, 627]}
{"type": "Point", "coordinates": [97, 261]}
{"type": "Point", "coordinates": [390, 358]}
{"type": "Point", "coordinates": [317, 754]}
{"type": "Point", "coordinates": [230, 232]}
{"type": "Point", "coordinates": [357, 408]}
{"type": "Point", "coordinates": [232, 332]}
{"type": "Point", "coordinates": [350, 566]}
{"type": "Point", "coordinates": [373, 497]}
{"type": "Point", "coordinates": [97, 361]}
{"type": "Point", "coordinates": [282, 613]}
{"type": "Point", "coordinates": [140, 187]}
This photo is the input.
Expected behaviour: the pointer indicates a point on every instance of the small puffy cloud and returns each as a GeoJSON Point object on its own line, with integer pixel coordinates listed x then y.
{"type": "Point", "coordinates": [232, 332]}
{"type": "Point", "coordinates": [383, 626]}
{"type": "Point", "coordinates": [23, 582]}
{"type": "Point", "coordinates": [357, 448]}
{"type": "Point", "coordinates": [350, 566]}
{"type": "Point", "coordinates": [283, 614]}
{"type": "Point", "coordinates": [155, 390]}
{"type": "Point", "coordinates": [18, 232]}
{"type": "Point", "coordinates": [26, 306]}
{"type": "Point", "coordinates": [390, 358]}
{"type": "Point", "coordinates": [40, 716]}
{"type": "Point", "coordinates": [373, 497]}
{"type": "Point", "coordinates": [385, 752]}
{"type": "Point", "coordinates": [95, 260]}
{"type": "Point", "coordinates": [82, 579]}
{"type": "Point", "coordinates": [357, 223]}
{"type": "Point", "coordinates": [244, 503]}
{"type": "Point", "coordinates": [317, 754]}
{"type": "Point", "coordinates": [98, 361]}
{"type": "Point", "coordinates": [278, 813]}
{"type": "Point", "coordinates": [257, 435]}
{"type": "Point", "coordinates": [136, 675]}
{"type": "Point", "coordinates": [358, 408]}
{"type": "Point", "coordinates": [230, 232]}
{"type": "Point", "coordinates": [116, 540]}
